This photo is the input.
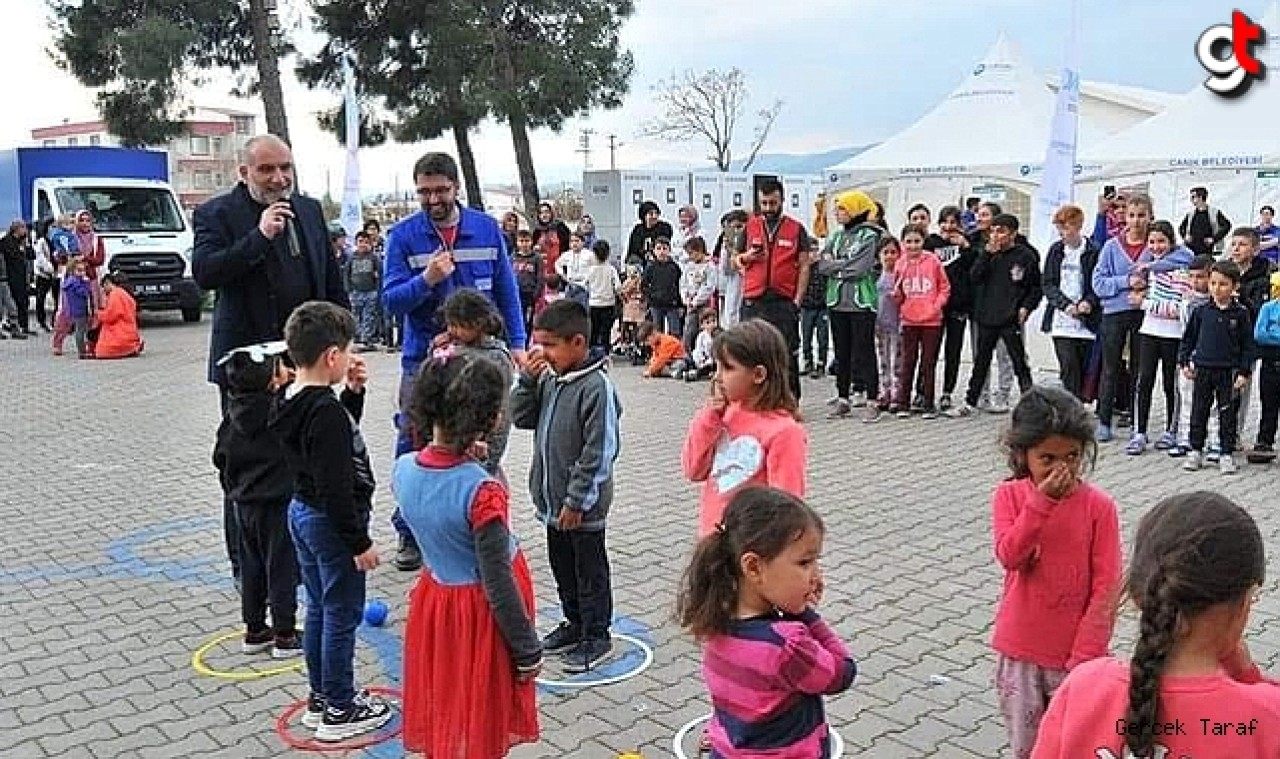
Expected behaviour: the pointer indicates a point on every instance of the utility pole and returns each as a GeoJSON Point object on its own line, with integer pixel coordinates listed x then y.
{"type": "Point", "coordinates": [613, 151]}
{"type": "Point", "coordinates": [584, 147]}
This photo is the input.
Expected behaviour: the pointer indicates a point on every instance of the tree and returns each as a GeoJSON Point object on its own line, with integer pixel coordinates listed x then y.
{"type": "Point", "coordinates": [417, 60]}
{"type": "Point", "coordinates": [709, 106]}
{"type": "Point", "coordinates": [142, 54]}
{"type": "Point", "coordinates": [554, 60]}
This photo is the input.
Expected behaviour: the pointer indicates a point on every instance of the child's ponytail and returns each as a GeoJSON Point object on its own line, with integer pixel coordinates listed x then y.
{"type": "Point", "coordinates": [709, 589]}
{"type": "Point", "coordinates": [1157, 628]}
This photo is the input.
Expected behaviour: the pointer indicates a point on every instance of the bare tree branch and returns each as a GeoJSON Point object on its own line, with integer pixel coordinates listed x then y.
{"type": "Point", "coordinates": [707, 106]}
{"type": "Point", "coordinates": [767, 117]}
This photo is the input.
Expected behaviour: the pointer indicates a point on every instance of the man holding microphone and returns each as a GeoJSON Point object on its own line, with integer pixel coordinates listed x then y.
{"type": "Point", "coordinates": [265, 251]}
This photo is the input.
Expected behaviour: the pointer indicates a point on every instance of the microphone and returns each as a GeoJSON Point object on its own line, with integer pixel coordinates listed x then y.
{"type": "Point", "coordinates": [291, 233]}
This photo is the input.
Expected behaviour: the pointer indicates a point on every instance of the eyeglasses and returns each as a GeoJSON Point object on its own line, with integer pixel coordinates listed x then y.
{"type": "Point", "coordinates": [257, 353]}
{"type": "Point", "coordinates": [435, 192]}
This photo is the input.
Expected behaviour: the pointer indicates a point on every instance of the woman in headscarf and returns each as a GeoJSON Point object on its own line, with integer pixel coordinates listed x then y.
{"type": "Point", "coordinates": [550, 237]}
{"type": "Point", "coordinates": [849, 261]}
{"type": "Point", "coordinates": [643, 235]}
{"type": "Point", "coordinates": [688, 229]}
{"type": "Point", "coordinates": [92, 251]}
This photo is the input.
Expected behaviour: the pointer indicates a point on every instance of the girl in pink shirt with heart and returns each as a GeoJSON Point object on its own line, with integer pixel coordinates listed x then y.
{"type": "Point", "coordinates": [749, 431]}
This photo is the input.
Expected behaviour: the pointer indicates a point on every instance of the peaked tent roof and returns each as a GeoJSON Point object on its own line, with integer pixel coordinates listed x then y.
{"type": "Point", "coordinates": [995, 124]}
{"type": "Point", "coordinates": [1204, 130]}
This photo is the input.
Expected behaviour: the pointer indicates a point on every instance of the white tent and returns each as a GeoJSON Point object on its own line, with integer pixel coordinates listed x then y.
{"type": "Point", "coordinates": [1207, 140]}
{"type": "Point", "coordinates": [993, 128]}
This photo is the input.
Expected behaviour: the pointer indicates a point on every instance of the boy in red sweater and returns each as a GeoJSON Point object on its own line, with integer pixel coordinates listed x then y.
{"type": "Point", "coordinates": [1057, 538]}
{"type": "Point", "coordinates": [921, 288]}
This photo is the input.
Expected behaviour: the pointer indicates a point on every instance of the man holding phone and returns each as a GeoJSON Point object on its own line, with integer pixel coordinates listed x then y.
{"type": "Point", "coordinates": [265, 251]}
{"type": "Point", "coordinates": [775, 271]}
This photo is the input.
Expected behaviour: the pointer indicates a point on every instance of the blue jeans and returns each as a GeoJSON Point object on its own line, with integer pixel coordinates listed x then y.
{"type": "Point", "coordinates": [365, 307]}
{"type": "Point", "coordinates": [404, 444]}
{"type": "Point", "coordinates": [335, 604]}
{"type": "Point", "coordinates": [669, 320]}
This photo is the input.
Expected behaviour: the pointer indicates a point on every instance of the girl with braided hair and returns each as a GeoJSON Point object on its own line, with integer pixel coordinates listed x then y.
{"type": "Point", "coordinates": [1191, 688]}
{"type": "Point", "coordinates": [1057, 537]}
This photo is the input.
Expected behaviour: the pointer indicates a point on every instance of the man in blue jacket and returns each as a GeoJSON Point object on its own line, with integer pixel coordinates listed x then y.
{"type": "Point", "coordinates": [429, 255]}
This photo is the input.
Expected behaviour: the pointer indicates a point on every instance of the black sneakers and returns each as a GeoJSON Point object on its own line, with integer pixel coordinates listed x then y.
{"type": "Point", "coordinates": [366, 714]}
{"type": "Point", "coordinates": [257, 642]}
{"type": "Point", "coordinates": [586, 655]}
{"type": "Point", "coordinates": [315, 711]}
{"type": "Point", "coordinates": [286, 646]}
{"type": "Point", "coordinates": [408, 558]}
{"type": "Point", "coordinates": [566, 636]}
{"type": "Point", "coordinates": [1261, 454]}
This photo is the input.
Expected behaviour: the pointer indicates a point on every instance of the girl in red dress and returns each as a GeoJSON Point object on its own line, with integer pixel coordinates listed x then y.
{"type": "Point", "coordinates": [471, 649]}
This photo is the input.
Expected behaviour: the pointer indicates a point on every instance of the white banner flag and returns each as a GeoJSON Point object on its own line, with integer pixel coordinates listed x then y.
{"type": "Point", "coordinates": [352, 213]}
{"type": "Point", "coordinates": [1058, 178]}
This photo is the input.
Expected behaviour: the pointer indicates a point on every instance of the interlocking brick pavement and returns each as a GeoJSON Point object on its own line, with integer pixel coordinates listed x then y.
{"type": "Point", "coordinates": [112, 569]}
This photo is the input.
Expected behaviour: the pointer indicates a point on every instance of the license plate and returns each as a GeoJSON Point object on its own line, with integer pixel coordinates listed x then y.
{"type": "Point", "coordinates": [153, 289]}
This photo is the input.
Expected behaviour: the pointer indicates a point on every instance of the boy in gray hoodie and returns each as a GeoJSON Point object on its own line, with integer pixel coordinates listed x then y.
{"type": "Point", "coordinates": [566, 397]}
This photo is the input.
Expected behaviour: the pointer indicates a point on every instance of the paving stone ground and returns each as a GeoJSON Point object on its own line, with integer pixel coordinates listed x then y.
{"type": "Point", "coordinates": [113, 571]}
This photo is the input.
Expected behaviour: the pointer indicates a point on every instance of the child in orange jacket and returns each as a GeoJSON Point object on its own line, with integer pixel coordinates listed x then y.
{"type": "Point", "coordinates": [669, 358]}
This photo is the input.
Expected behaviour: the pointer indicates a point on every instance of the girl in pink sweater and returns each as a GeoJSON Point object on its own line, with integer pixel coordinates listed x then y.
{"type": "Point", "coordinates": [921, 289]}
{"type": "Point", "coordinates": [748, 432]}
{"type": "Point", "coordinates": [1057, 538]}
{"type": "Point", "coordinates": [750, 595]}
{"type": "Point", "coordinates": [1191, 688]}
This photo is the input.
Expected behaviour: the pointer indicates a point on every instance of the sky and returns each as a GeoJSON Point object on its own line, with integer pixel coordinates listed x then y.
{"type": "Point", "coordinates": [850, 72]}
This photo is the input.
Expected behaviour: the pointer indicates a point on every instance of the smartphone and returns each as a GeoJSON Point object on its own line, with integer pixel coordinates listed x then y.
{"type": "Point", "coordinates": [1109, 192]}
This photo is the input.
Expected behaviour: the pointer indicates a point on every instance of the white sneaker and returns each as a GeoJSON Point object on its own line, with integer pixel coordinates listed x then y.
{"type": "Point", "coordinates": [1226, 464]}
{"type": "Point", "coordinates": [859, 400]}
{"type": "Point", "coordinates": [1195, 460]}
{"type": "Point", "coordinates": [962, 411]}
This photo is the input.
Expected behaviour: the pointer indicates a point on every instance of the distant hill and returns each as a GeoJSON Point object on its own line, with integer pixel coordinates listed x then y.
{"type": "Point", "coordinates": [802, 163]}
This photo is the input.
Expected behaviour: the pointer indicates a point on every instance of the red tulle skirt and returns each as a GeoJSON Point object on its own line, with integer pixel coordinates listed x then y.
{"type": "Point", "coordinates": [461, 698]}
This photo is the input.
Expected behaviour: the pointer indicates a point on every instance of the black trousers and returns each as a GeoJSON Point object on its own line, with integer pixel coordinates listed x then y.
{"type": "Point", "coordinates": [601, 326]}
{"type": "Point", "coordinates": [580, 566]}
{"type": "Point", "coordinates": [1118, 330]}
{"type": "Point", "coordinates": [988, 338]}
{"type": "Point", "coordinates": [1073, 357]}
{"type": "Point", "coordinates": [230, 521]}
{"type": "Point", "coordinates": [1211, 385]}
{"type": "Point", "coordinates": [954, 327]}
{"type": "Point", "coordinates": [1157, 353]}
{"type": "Point", "coordinates": [268, 567]}
{"type": "Point", "coordinates": [1269, 395]}
{"type": "Point", "coordinates": [22, 299]}
{"type": "Point", "coordinates": [46, 286]}
{"type": "Point", "coordinates": [853, 336]}
{"type": "Point", "coordinates": [785, 315]}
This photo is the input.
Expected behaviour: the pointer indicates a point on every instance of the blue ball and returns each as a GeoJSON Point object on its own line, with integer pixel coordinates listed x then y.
{"type": "Point", "coordinates": [375, 613]}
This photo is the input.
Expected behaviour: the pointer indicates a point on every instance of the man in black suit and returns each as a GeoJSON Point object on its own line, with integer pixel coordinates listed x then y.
{"type": "Point", "coordinates": [265, 251]}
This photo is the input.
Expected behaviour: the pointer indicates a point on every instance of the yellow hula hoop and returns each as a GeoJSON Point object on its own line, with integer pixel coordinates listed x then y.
{"type": "Point", "coordinates": [198, 663]}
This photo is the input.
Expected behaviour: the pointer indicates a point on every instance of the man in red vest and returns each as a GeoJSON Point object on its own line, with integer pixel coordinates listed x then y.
{"type": "Point", "coordinates": [775, 271]}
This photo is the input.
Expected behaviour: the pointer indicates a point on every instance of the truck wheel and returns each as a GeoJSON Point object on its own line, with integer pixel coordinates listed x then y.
{"type": "Point", "coordinates": [191, 315]}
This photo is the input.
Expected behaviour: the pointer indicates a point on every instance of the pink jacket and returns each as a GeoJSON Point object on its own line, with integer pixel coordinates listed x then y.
{"type": "Point", "coordinates": [921, 288]}
{"type": "Point", "coordinates": [742, 447]}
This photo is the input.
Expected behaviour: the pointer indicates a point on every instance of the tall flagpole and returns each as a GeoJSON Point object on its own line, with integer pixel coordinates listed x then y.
{"type": "Point", "coordinates": [1057, 185]}
{"type": "Point", "coordinates": [352, 213]}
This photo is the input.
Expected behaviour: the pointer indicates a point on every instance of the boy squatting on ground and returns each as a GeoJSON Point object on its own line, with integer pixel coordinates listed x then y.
{"type": "Point", "coordinates": [567, 398]}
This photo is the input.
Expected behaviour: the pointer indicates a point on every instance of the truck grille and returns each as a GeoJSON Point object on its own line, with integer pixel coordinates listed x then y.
{"type": "Point", "coordinates": [148, 267]}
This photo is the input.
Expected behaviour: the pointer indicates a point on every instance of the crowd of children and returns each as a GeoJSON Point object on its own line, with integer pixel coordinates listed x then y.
{"type": "Point", "coordinates": [750, 594]}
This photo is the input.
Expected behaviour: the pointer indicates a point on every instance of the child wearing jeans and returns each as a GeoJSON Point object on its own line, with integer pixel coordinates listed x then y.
{"type": "Point", "coordinates": [565, 395]}
{"type": "Point", "coordinates": [363, 275]}
{"type": "Point", "coordinates": [329, 514]}
{"type": "Point", "coordinates": [888, 333]}
{"type": "Point", "coordinates": [1057, 537]}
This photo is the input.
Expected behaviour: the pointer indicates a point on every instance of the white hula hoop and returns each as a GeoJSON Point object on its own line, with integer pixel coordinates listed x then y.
{"type": "Point", "coordinates": [639, 644]}
{"type": "Point", "coordinates": [677, 743]}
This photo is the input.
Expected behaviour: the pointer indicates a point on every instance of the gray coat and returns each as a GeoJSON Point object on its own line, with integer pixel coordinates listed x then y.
{"type": "Point", "coordinates": [575, 441]}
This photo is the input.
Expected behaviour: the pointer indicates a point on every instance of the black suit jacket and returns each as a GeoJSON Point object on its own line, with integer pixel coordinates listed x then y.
{"type": "Point", "coordinates": [232, 257]}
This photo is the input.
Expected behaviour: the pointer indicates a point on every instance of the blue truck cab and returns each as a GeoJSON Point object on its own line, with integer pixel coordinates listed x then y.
{"type": "Point", "coordinates": [145, 233]}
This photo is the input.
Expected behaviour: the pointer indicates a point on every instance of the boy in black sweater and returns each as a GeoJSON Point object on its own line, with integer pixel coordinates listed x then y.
{"type": "Point", "coordinates": [251, 465]}
{"type": "Point", "coordinates": [1217, 354]}
{"type": "Point", "coordinates": [1006, 289]}
{"type": "Point", "coordinates": [660, 284]}
{"type": "Point", "coordinates": [329, 515]}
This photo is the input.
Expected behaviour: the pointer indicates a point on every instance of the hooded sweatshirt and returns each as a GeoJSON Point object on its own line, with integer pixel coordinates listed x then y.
{"type": "Point", "coordinates": [1004, 283]}
{"type": "Point", "coordinates": [640, 244]}
{"type": "Point", "coordinates": [250, 460]}
{"type": "Point", "coordinates": [323, 445]}
{"type": "Point", "coordinates": [922, 289]}
{"type": "Point", "coordinates": [575, 441]}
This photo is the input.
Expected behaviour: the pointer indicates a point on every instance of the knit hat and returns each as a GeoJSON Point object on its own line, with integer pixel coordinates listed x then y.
{"type": "Point", "coordinates": [857, 203]}
{"type": "Point", "coordinates": [1275, 286]}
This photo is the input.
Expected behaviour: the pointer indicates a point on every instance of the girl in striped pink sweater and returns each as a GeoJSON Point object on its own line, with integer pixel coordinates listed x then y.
{"type": "Point", "coordinates": [749, 595]}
